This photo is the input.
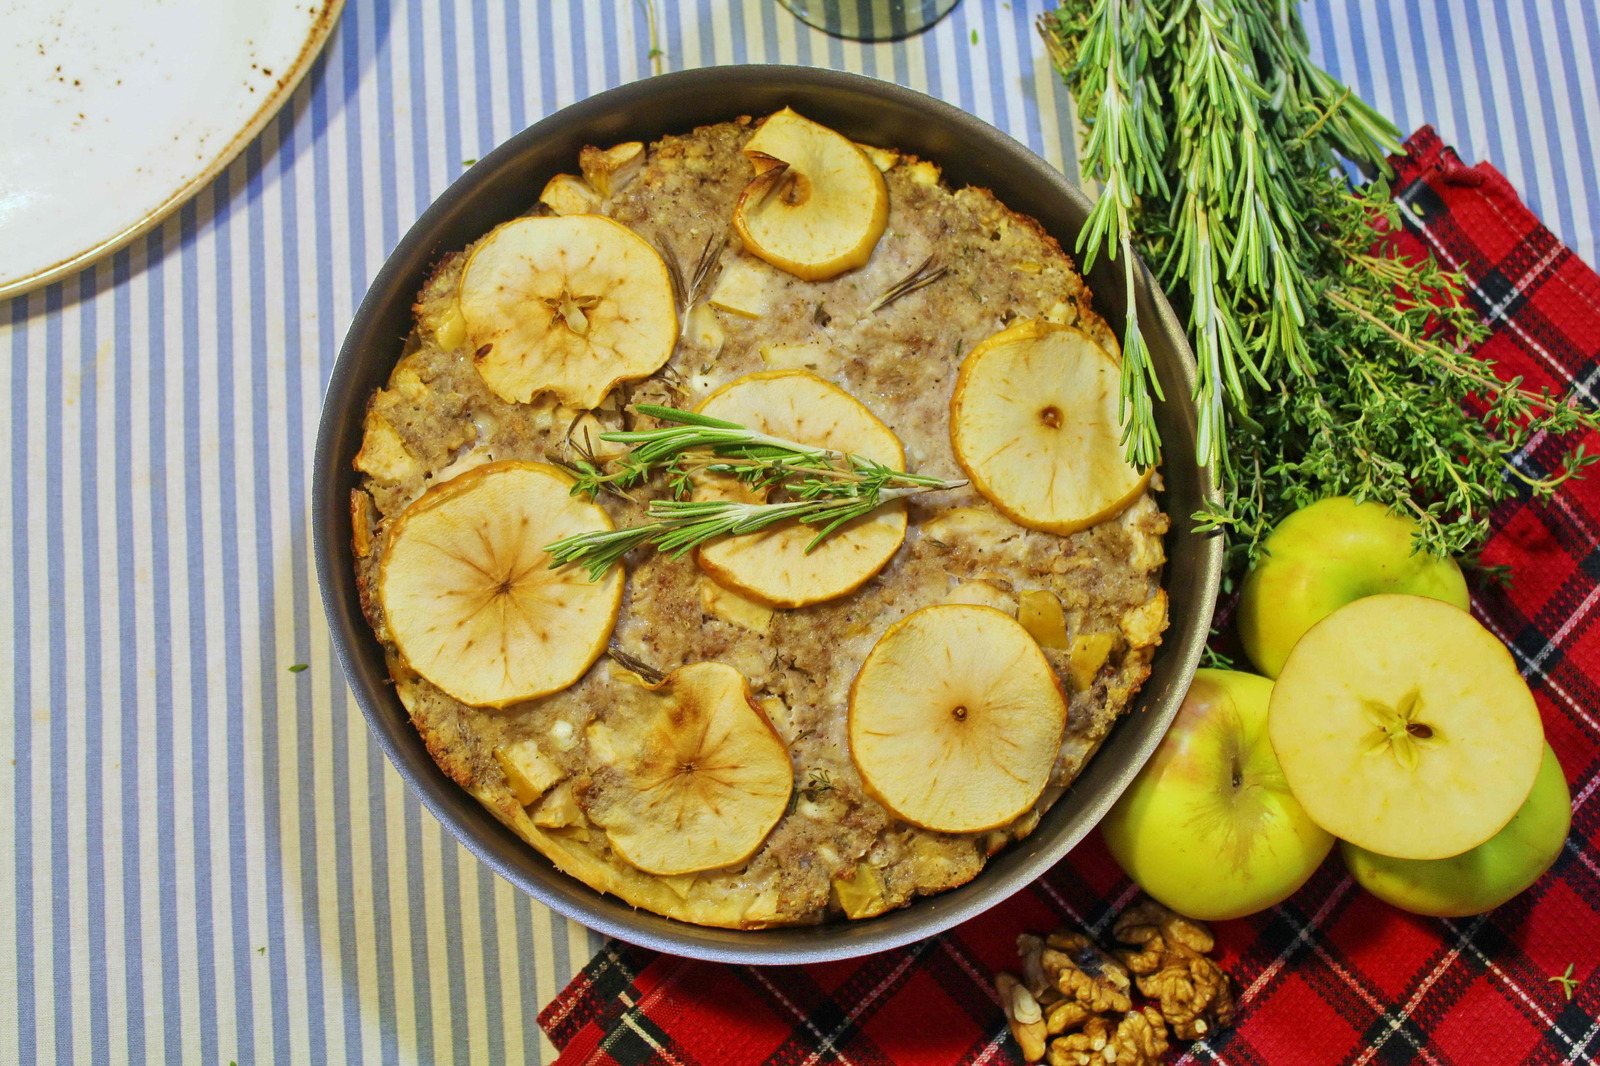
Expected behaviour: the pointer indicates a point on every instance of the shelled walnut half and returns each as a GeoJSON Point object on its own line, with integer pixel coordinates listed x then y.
{"type": "Point", "coordinates": [1139, 1038]}
{"type": "Point", "coordinates": [1167, 952]}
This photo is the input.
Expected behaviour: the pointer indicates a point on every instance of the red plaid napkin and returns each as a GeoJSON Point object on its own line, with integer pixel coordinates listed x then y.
{"type": "Point", "coordinates": [1332, 975]}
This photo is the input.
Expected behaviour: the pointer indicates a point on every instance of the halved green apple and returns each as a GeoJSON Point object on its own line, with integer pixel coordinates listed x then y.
{"type": "Point", "coordinates": [1403, 727]}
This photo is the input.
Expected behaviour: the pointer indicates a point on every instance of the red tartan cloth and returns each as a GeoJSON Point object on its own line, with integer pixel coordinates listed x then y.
{"type": "Point", "coordinates": [1332, 975]}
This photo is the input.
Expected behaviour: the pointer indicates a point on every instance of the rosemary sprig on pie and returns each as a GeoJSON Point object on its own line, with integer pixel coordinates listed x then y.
{"type": "Point", "coordinates": [824, 488]}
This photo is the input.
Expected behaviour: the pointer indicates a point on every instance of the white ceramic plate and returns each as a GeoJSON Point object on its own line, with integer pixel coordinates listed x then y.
{"type": "Point", "coordinates": [117, 111]}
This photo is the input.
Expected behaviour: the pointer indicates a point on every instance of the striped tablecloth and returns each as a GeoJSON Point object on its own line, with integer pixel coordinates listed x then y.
{"type": "Point", "coordinates": [209, 860]}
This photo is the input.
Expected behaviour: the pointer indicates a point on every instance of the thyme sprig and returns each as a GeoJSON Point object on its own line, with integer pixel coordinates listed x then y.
{"type": "Point", "coordinates": [824, 488]}
{"type": "Point", "coordinates": [1326, 365]}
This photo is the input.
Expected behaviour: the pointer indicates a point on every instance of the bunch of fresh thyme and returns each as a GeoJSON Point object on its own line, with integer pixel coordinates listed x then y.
{"type": "Point", "coordinates": [1326, 367]}
{"type": "Point", "coordinates": [825, 488]}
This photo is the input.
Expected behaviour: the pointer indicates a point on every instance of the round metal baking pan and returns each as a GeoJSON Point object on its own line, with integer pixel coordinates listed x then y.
{"type": "Point", "coordinates": [502, 186]}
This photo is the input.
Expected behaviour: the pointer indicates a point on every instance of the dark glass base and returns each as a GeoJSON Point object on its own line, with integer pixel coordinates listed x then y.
{"type": "Point", "coordinates": [870, 20]}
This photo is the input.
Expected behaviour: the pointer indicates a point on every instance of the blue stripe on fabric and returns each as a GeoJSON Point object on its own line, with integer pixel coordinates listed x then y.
{"type": "Point", "coordinates": [296, 496]}
{"type": "Point", "coordinates": [579, 53]}
{"type": "Point", "coordinates": [381, 53]}
{"type": "Point", "coordinates": [1360, 78]}
{"type": "Point", "coordinates": [417, 48]}
{"type": "Point", "coordinates": [999, 99]}
{"type": "Point", "coordinates": [522, 922]}
{"type": "Point", "coordinates": [383, 58]}
{"type": "Point", "coordinates": [94, 798]}
{"type": "Point", "coordinates": [1460, 89]}
{"type": "Point", "coordinates": [516, 89]}
{"type": "Point", "coordinates": [383, 920]}
{"type": "Point", "coordinates": [422, 985]}
{"type": "Point", "coordinates": [1030, 129]}
{"type": "Point", "coordinates": [488, 943]}
{"type": "Point", "coordinates": [333, 688]}
{"type": "Point", "coordinates": [705, 31]}
{"type": "Point", "coordinates": [1584, 179]}
{"type": "Point", "coordinates": [1590, 28]}
{"type": "Point", "coordinates": [450, 77]}
{"type": "Point", "coordinates": [1388, 51]}
{"type": "Point", "coordinates": [560, 953]}
{"type": "Point", "coordinates": [900, 62]}
{"type": "Point", "coordinates": [489, 134]}
{"type": "Point", "coordinates": [351, 54]}
{"type": "Point", "coordinates": [171, 1010]}
{"type": "Point", "coordinates": [1580, 177]}
{"type": "Point", "coordinates": [273, 670]}
{"type": "Point", "coordinates": [611, 57]}
{"type": "Point", "coordinates": [769, 32]}
{"type": "Point", "coordinates": [1485, 77]}
{"type": "Point", "coordinates": [375, 48]}
{"type": "Point", "coordinates": [1419, 60]}
{"type": "Point", "coordinates": [549, 93]}
{"type": "Point", "coordinates": [416, 903]}
{"type": "Point", "coordinates": [803, 37]}
{"type": "Point", "coordinates": [967, 97]}
{"type": "Point", "coordinates": [1423, 69]}
{"type": "Point", "coordinates": [22, 863]}
{"type": "Point", "coordinates": [196, 367]}
{"type": "Point", "coordinates": [64, 803]}
{"type": "Point", "coordinates": [641, 64]}
{"type": "Point", "coordinates": [455, 960]}
{"type": "Point", "coordinates": [741, 46]}
{"type": "Point", "coordinates": [132, 930]}
{"type": "Point", "coordinates": [929, 43]}
{"type": "Point", "coordinates": [834, 48]}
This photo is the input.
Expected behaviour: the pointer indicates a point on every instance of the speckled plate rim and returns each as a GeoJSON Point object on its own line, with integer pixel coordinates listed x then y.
{"type": "Point", "coordinates": [501, 186]}
{"type": "Point", "coordinates": [321, 28]}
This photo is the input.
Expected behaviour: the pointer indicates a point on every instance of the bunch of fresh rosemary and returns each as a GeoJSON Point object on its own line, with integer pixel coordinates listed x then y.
{"type": "Point", "coordinates": [824, 488]}
{"type": "Point", "coordinates": [1326, 367]}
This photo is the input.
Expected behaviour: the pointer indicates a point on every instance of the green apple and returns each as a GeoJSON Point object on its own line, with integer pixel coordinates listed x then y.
{"type": "Point", "coordinates": [1209, 827]}
{"type": "Point", "coordinates": [1488, 875]}
{"type": "Point", "coordinates": [1325, 555]}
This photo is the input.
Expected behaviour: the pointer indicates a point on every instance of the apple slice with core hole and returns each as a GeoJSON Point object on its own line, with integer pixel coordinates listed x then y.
{"type": "Point", "coordinates": [468, 593]}
{"type": "Point", "coordinates": [956, 718]}
{"type": "Point", "coordinates": [1034, 422]}
{"type": "Point", "coordinates": [817, 205]}
{"type": "Point", "coordinates": [570, 304]}
{"type": "Point", "coordinates": [691, 774]}
{"type": "Point", "coordinates": [1403, 727]}
{"type": "Point", "coordinates": [772, 566]}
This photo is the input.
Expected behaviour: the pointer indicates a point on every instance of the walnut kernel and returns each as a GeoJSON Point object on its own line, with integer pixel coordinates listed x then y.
{"type": "Point", "coordinates": [1167, 954]}
{"type": "Point", "coordinates": [1022, 1016]}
